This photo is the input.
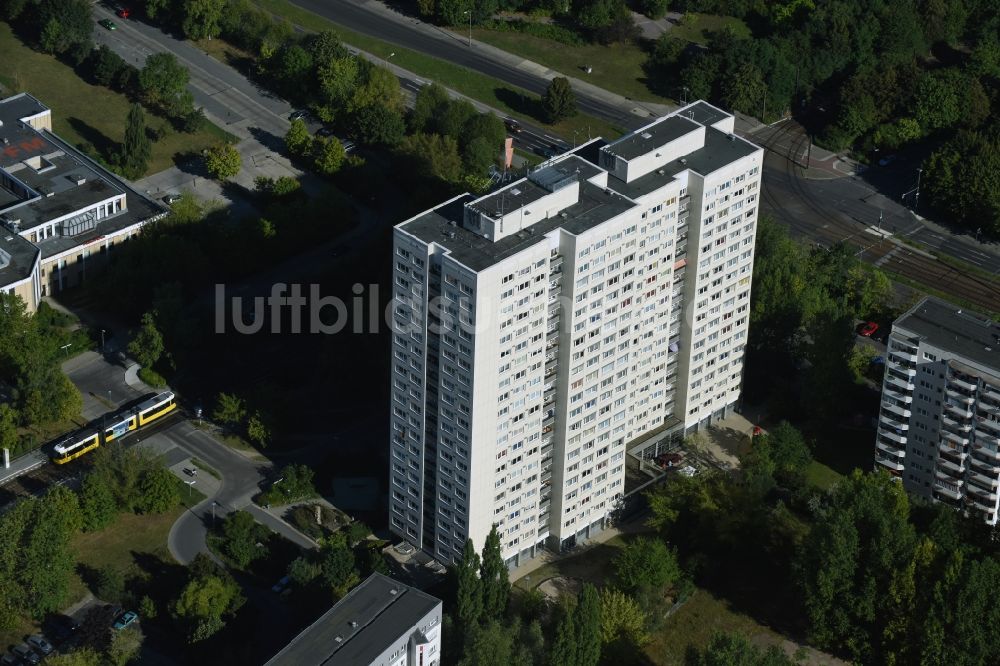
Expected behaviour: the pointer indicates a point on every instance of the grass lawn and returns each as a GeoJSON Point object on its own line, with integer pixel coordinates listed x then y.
{"type": "Point", "coordinates": [617, 67]}
{"type": "Point", "coordinates": [821, 475]}
{"type": "Point", "coordinates": [83, 113]}
{"type": "Point", "coordinates": [511, 100]}
{"type": "Point", "coordinates": [695, 623]}
{"type": "Point", "coordinates": [697, 27]}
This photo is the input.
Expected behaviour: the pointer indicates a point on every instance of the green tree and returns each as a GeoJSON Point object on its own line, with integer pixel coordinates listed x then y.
{"type": "Point", "coordinates": [137, 147]}
{"type": "Point", "coordinates": [378, 124]}
{"type": "Point", "coordinates": [97, 503]}
{"type": "Point", "coordinates": [936, 102]}
{"type": "Point", "coordinates": [230, 410]}
{"type": "Point", "coordinates": [496, 644]}
{"type": "Point", "coordinates": [654, 9]}
{"type": "Point", "coordinates": [434, 155]}
{"type": "Point", "coordinates": [125, 645]}
{"type": "Point", "coordinates": [241, 534]}
{"type": "Point", "coordinates": [621, 618]}
{"type": "Point", "coordinates": [559, 100]}
{"type": "Point", "coordinates": [223, 161]}
{"type": "Point", "coordinates": [147, 345]}
{"type": "Point", "coordinates": [494, 577]}
{"type": "Point", "coordinates": [430, 102]}
{"type": "Point", "coordinates": [109, 583]}
{"type": "Point", "coordinates": [163, 85]}
{"type": "Point", "coordinates": [158, 491]}
{"type": "Point", "coordinates": [202, 17]}
{"type": "Point", "coordinates": [297, 139]}
{"type": "Point", "coordinates": [303, 571]}
{"type": "Point", "coordinates": [338, 79]}
{"type": "Point", "coordinates": [106, 66]}
{"type": "Point", "coordinates": [66, 505]}
{"type": "Point", "coordinates": [65, 25]}
{"type": "Point", "coordinates": [563, 651]}
{"type": "Point", "coordinates": [338, 566]}
{"type": "Point", "coordinates": [587, 625]}
{"type": "Point", "coordinates": [204, 605]}
{"type": "Point", "coordinates": [258, 431]}
{"type": "Point", "coordinates": [646, 562]}
{"type": "Point", "coordinates": [745, 90]}
{"type": "Point", "coordinates": [10, 10]}
{"type": "Point", "coordinates": [8, 426]}
{"type": "Point", "coordinates": [469, 597]}
{"type": "Point", "coordinates": [328, 155]}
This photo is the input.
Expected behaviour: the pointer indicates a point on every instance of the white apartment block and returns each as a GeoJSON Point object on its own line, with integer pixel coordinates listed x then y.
{"type": "Point", "coordinates": [541, 329]}
{"type": "Point", "coordinates": [939, 422]}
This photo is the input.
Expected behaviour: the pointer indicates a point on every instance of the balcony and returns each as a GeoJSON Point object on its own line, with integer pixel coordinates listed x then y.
{"type": "Point", "coordinates": [987, 482]}
{"type": "Point", "coordinates": [956, 438]}
{"type": "Point", "coordinates": [948, 489]}
{"type": "Point", "coordinates": [893, 436]}
{"type": "Point", "coordinates": [949, 450]}
{"type": "Point", "coordinates": [962, 383]}
{"type": "Point", "coordinates": [902, 396]}
{"type": "Point", "coordinates": [555, 262]}
{"type": "Point", "coordinates": [985, 496]}
{"type": "Point", "coordinates": [896, 409]}
{"type": "Point", "coordinates": [889, 463]}
{"type": "Point", "coordinates": [951, 468]}
{"type": "Point", "coordinates": [992, 392]}
{"type": "Point", "coordinates": [903, 352]}
{"type": "Point", "coordinates": [985, 451]}
{"type": "Point", "coordinates": [892, 423]}
{"type": "Point", "coordinates": [960, 396]}
{"type": "Point", "coordinates": [898, 382]}
{"type": "Point", "coordinates": [982, 502]}
{"type": "Point", "coordinates": [958, 410]}
{"type": "Point", "coordinates": [897, 359]}
{"type": "Point", "coordinates": [955, 425]}
{"type": "Point", "coordinates": [891, 448]}
{"type": "Point", "coordinates": [988, 427]}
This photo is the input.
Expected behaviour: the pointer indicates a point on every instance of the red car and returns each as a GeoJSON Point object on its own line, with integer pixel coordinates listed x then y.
{"type": "Point", "coordinates": [868, 329]}
{"type": "Point", "coordinates": [123, 12]}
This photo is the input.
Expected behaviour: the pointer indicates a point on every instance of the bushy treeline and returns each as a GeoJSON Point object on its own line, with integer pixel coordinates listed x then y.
{"type": "Point", "coordinates": [876, 75]}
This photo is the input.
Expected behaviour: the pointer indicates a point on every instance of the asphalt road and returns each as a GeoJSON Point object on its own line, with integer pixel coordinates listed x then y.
{"type": "Point", "coordinates": [101, 383]}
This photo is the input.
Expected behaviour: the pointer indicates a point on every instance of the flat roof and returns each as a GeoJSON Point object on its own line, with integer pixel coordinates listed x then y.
{"type": "Point", "coordinates": [963, 332]}
{"type": "Point", "coordinates": [443, 225]}
{"type": "Point", "coordinates": [17, 257]}
{"type": "Point", "coordinates": [53, 180]}
{"type": "Point", "coordinates": [359, 627]}
{"type": "Point", "coordinates": [704, 113]}
{"type": "Point", "coordinates": [647, 139]}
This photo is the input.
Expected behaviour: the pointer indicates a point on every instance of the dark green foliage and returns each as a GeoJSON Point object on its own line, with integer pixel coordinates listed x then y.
{"type": "Point", "coordinates": [109, 584]}
{"type": "Point", "coordinates": [210, 598]}
{"type": "Point", "coordinates": [158, 491]}
{"type": "Point", "coordinates": [736, 650]}
{"type": "Point", "coordinates": [294, 484]}
{"type": "Point", "coordinates": [563, 649]}
{"type": "Point", "coordinates": [64, 26]}
{"type": "Point", "coordinates": [559, 100]}
{"type": "Point", "coordinates": [587, 625]}
{"type": "Point", "coordinates": [163, 85]}
{"type": "Point", "coordinates": [962, 179]}
{"type": "Point", "coordinates": [97, 503]}
{"type": "Point", "coordinates": [241, 535]}
{"type": "Point", "coordinates": [469, 599]}
{"type": "Point", "coordinates": [646, 562]}
{"type": "Point", "coordinates": [493, 576]}
{"type": "Point", "coordinates": [378, 124]}
{"type": "Point", "coordinates": [337, 566]}
{"type": "Point", "coordinates": [137, 147]}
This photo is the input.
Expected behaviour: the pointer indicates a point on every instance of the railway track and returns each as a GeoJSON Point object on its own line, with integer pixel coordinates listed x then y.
{"type": "Point", "coordinates": [36, 482]}
{"type": "Point", "coordinates": [834, 227]}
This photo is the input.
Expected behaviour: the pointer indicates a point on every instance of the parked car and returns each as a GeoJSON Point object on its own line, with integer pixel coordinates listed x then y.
{"type": "Point", "coordinates": [513, 126]}
{"type": "Point", "coordinates": [687, 471]}
{"type": "Point", "coordinates": [60, 627]}
{"type": "Point", "coordinates": [9, 659]}
{"type": "Point", "coordinates": [281, 584]}
{"type": "Point", "coordinates": [868, 329]}
{"type": "Point", "coordinates": [123, 12]}
{"type": "Point", "coordinates": [107, 24]}
{"type": "Point", "coordinates": [297, 115]}
{"type": "Point", "coordinates": [40, 644]}
{"type": "Point", "coordinates": [26, 655]}
{"type": "Point", "coordinates": [348, 145]}
{"type": "Point", "coordinates": [325, 131]}
{"type": "Point", "coordinates": [126, 619]}
{"type": "Point", "coordinates": [887, 160]}
{"type": "Point", "coordinates": [171, 199]}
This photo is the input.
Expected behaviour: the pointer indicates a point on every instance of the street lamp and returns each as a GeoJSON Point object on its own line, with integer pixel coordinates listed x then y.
{"type": "Point", "coordinates": [469, 13]}
{"type": "Point", "coordinates": [575, 132]}
{"type": "Point", "coordinates": [66, 347]}
{"type": "Point", "coordinates": [916, 197]}
{"type": "Point", "coordinates": [214, 504]}
{"type": "Point", "coordinates": [102, 340]}
{"type": "Point", "coordinates": [189, 485]}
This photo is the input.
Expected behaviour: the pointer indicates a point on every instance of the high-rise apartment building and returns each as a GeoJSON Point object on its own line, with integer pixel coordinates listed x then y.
{"type": "Point", "coordinates": [939, 421]}
{"type": "Point", "coordinates": [541, 328]}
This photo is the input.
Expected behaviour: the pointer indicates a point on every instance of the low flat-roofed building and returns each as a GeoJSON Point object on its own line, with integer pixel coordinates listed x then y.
{"type": "Point", "coordinates": [381, 622]}
{"type": "Point", "coordinates": [60, 212]}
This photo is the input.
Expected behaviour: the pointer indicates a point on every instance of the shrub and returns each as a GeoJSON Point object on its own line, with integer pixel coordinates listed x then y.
{"type": "Point", "coordinates": [152, 378]}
